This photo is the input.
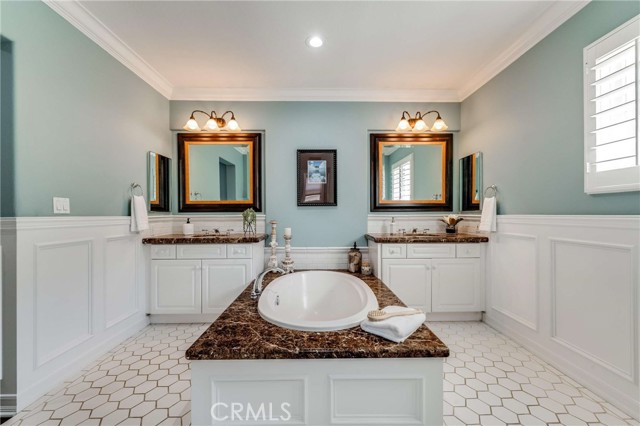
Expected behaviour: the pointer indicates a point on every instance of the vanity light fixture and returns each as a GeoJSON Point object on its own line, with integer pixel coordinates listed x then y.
{"type": "Point", "coordinates": [214, 123]}
{"type": "Point", "coordinates": [417, 125]}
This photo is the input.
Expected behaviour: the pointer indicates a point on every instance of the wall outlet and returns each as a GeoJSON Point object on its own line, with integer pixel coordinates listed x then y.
{"type": "Point", "coordinates": [61, 205]}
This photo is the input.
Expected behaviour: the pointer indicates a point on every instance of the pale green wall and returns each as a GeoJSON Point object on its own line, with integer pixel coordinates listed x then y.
{"type": "Point", "coordinates": [528, 122]}
{"type": "Point", "coordinates": [290, 126]}
{"type": "Point", "coordinates": [79, 122]}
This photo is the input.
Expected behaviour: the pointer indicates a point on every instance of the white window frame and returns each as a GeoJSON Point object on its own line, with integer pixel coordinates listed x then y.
{"type": "Point", "coordinates": [398, 164]}
{"type": "Point", "coordinates": [620, 180]}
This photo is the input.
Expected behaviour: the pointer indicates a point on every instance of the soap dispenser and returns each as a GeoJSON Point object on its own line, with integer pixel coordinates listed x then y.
{"type": "Point", "coordinates": [187, 228]}
{"type": "Point", "coordinates": [355, 259]}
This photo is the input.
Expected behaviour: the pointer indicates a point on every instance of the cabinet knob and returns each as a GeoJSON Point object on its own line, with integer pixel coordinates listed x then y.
{"type": "Point", "coordinates": [433, 267]}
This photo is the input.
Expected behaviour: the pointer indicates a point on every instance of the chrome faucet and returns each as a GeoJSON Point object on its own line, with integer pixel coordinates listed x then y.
{"type": "Point", "coordinates": [257, 283]}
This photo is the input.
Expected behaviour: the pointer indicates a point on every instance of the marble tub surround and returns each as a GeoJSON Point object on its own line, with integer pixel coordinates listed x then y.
{"type": "Point", "coordinates": [205, 239]}
{"type": "Point", "coordinates": [240, 333]}
{"type": "Point", "coordinates": [426, 238]}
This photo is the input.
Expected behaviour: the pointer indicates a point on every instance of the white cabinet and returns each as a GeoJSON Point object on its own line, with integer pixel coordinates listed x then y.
{"type": "Point", "coordinates": [410, 280]}
{"type": "Point", "coordinates": [436, 278]}
{"type": "Point", "coordinates": [456, 285]}
{"type": "Point", "coordinates": [222, 282]}
{"type": "Point", "coordinates": [176, 286]}
{"type": "Point", "coordinates": [201, 278]}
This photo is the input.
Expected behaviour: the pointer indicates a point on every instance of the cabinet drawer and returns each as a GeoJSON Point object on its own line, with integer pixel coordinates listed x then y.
{"type": "Point", "coordinates": [202, 251]}
{"type": "Point", "coordinates": [163, 251]}
{"type": "Point", "coordinates": [394, 251]}
{"type": "Point", "coordinates": [468, 250]}
{"type": "Point", "coordinates": [430, 251]}
{"type": "Point", "coordinates": [239, 251]}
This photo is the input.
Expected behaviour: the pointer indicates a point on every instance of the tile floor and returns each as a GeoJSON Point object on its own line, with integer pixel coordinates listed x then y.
{"type": "Point", "coordinates": [489, 380]}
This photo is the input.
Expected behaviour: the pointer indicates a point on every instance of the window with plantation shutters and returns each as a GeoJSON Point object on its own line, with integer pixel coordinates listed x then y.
{"type": "Point", "coordinates": [612, 150]}
{"type": "Point", "coordinates": [401, 178]}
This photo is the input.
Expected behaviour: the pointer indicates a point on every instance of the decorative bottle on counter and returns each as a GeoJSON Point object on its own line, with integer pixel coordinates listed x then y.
{"type": "Point", "coordinates": [355, 259]}
{"type": "Point", "coordinates": [392, 226]}
{"type": "Point", "coordinates": [187, 228]}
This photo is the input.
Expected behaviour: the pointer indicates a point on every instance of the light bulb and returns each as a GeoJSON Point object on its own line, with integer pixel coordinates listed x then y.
{"type": "Point", "coordinates": [439, 125]}
{"type": "Point", "coordinates": [233, 125]}
{"type": "Point", "coordinates": [211, 125]}
{"type": "Point", "coordinates": [420, 126]}
{"type": "Point", "coordinates": [192, 125]}
{"type": "Point", "coordinates": [403, 126]}
{"type": "Point", "coordinates": [314, 41]}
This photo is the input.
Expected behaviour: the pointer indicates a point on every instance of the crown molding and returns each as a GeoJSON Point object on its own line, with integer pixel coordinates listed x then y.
{"type": "Point", "coordinates": [313, 94]}
{"type": "Point", "coordinates": [557, 14]}
{"type": "Point", "coordinates": [78, 16]}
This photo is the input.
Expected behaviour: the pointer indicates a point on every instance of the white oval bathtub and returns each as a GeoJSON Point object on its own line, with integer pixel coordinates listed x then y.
{"type": "Point", "coordinates": [316, 301]}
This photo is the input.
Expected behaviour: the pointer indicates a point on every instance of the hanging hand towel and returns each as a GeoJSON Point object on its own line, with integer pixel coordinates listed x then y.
{"type": "Point", "coordinates": [488, 218]}
{"type": "Point", "coordinates": [139, 218]}
{"type": "Point", "coordinates": [396, 329]}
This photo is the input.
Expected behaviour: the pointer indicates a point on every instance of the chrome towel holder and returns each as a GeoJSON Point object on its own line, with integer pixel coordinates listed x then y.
{"type": "Point", "coordinates": [133, 188]}
{"type": "Point", "coordinates": [491, 188]}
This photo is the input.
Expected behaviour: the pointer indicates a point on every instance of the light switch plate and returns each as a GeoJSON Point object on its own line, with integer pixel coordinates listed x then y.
{"type": "Point", "coordinates": [61, 205]}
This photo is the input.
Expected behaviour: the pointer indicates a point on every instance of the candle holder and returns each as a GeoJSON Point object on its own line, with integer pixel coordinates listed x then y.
{"type": "Point", "coordinates": [287, 263]}
{"type": "Point", "coordinates": [273, 259]}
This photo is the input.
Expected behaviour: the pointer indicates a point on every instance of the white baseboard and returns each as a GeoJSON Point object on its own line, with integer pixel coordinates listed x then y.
{"type": "Point", "coordinates": [453, 316]}
{"type": "Point", "coordinates": [7, 405]}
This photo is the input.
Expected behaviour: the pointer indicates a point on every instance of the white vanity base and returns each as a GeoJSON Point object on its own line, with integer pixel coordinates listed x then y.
{"type": "Point", "coordinates": [365, 392]}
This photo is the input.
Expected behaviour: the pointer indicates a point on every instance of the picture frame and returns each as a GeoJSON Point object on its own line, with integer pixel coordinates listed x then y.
{"type": "Point", "coordinates": [317, 171]}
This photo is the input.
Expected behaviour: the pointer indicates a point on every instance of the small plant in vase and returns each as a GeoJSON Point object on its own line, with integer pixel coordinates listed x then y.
{"type": "Point", "coordinates": [451, 221]}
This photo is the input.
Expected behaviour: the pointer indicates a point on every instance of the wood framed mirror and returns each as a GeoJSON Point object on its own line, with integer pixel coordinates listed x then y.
{"type": "Point", "coordinates": [220, 172]}
{"type": "Point", "coordinates": [411, 172]}
{"type": "Point", "coordinates": [158, 177]}
{"type": "Point", "coordinates": [471, 182]}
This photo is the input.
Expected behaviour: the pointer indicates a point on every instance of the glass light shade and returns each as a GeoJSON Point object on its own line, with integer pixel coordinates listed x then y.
{"type": "Point", "coordinates": [233, 125]}
{"type": "Point", "coordinates": [403, 126]}
{"type": "Point", "coordinates": [212, 125]}
{"type": "Point", "coordinates": [439, 125]}
{"type": "Point", "coordinates": [420, 126]}
{"type": "Point", "coordinates": [192, 125]}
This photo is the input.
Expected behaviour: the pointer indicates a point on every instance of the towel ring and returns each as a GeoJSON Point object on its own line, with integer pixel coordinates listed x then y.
{"type": "Point", "coordinates": [133, 188]}
{"type": "Point", "coordinates": [491, 188]}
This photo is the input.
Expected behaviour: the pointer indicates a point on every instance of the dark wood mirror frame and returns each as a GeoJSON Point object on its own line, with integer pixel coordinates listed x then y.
{"type": "Point", "coordinates": [253, 140]}
{"type": "Point", "coordinates": [163, 182]}
{"type": "Point", "coordinates": [377, 140]}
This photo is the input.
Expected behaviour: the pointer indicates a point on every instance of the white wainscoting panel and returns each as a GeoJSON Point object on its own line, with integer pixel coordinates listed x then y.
{"type": "Point", "coordinates": [515, 277]}
{"type": "Point", "coordinates": [317, 257]}
{"type": "Point", "coordinates": [62, 305]}
{"type": "Point", "coordinates": [577, 279]}
{"type": "Point", "coordinates": [121, 292]}
{"type": "Point", "coordinates": [79, 292]}
{"type": "Point", "coordinates": [594, 299]}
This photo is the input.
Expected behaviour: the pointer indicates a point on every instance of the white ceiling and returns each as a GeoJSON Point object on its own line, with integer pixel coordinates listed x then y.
{"type": "Point", "coordinates": [374, 50]}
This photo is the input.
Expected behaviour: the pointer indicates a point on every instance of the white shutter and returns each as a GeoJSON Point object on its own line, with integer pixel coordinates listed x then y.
{"type": "Point", "coordinates": [611, 111]}
{"type": "Point", "coordinates": [401, 179]}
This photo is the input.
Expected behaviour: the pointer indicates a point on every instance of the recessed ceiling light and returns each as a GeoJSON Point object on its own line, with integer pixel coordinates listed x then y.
{"type": "Point", "coordinates": [314, 41]}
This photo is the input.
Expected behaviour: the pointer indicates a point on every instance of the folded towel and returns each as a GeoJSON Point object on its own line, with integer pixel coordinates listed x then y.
{"type": "Point", "coordinates": [139, 218]}
{"type": "Point", "coordinates": [396, 329]}
{"type": "Point", "coordinates": [488, 218]}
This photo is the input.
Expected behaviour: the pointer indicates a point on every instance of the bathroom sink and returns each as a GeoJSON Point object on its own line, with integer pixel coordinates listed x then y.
{"type": "Point", "coordinates": [316, 301]}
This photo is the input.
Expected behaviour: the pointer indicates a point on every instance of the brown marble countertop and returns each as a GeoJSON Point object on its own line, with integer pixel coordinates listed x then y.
{"type": "Point", "coordinates": [205, 239]}
{"type": "Point", "coordinates": [428, 238]}
{"type": "Point", "coordinates": [240, 333]}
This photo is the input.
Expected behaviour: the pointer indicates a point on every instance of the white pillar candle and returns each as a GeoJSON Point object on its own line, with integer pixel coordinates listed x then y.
{"type": "Point", "coordinates": [287, 232]}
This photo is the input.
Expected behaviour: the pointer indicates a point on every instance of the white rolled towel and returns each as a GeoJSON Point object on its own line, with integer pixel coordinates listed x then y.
{"type": "Point", "coordinates": [139, 218]}
{"type": "Point", "coordinates": [396, 329]}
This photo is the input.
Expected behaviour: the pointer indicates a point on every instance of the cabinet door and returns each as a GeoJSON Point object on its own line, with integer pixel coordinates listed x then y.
{"type": "Point", "coordinates": [176, 286]}
{"type": "Point", "coordinates": [222, 282]}
{"type": "Point", "coordinates": [457, 285]}
{"type": "Point", "coordinates": [410, 280]}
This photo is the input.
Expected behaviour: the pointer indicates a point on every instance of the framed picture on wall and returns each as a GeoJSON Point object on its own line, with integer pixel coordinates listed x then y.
{"type": "Point", "coordinates": [317, 177]}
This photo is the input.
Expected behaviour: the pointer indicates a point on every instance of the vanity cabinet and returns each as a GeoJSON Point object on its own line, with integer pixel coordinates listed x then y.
{"type": "Point", "coordinates": [437, 278]}
{"type": "Point", "coordinates": [201, 278]}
